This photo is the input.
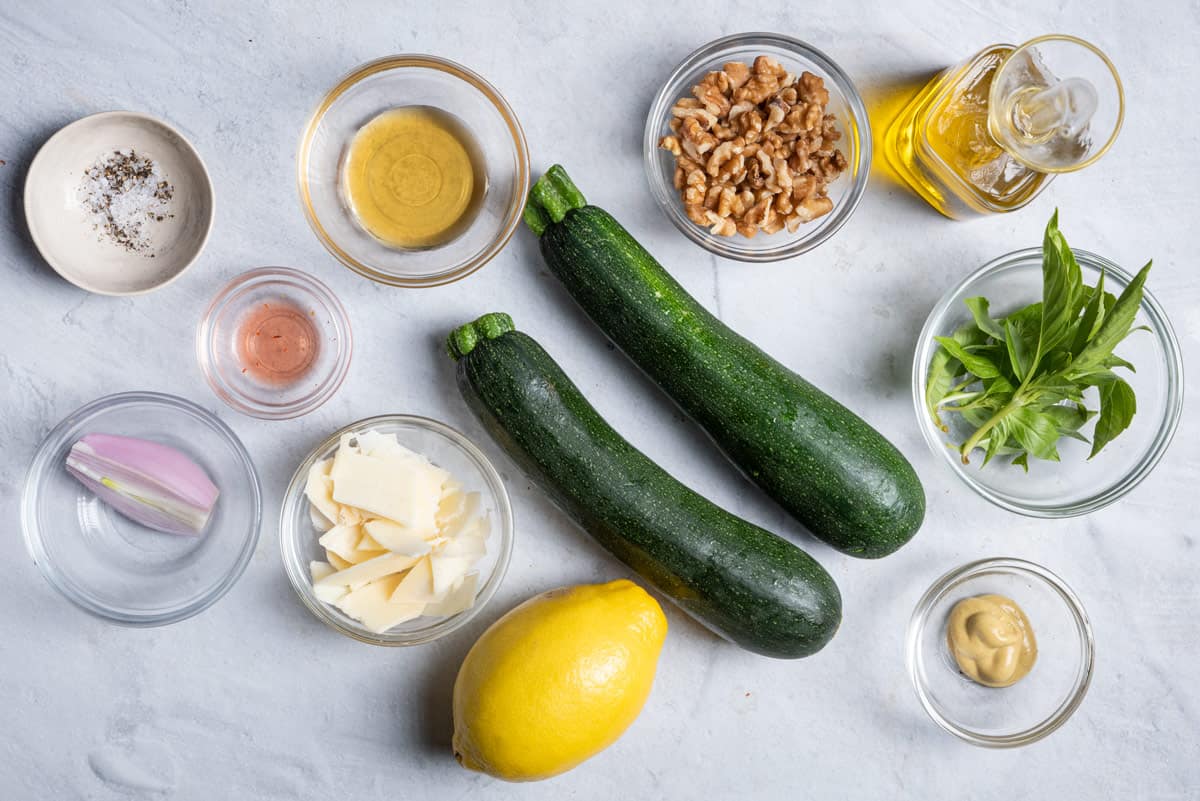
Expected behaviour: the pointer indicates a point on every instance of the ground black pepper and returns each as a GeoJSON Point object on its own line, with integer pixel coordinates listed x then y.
{"type": "Point", "coordinates": [123, 191]}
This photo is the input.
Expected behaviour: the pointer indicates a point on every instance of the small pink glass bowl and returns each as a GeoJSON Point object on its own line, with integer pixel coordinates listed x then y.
{"type": "Point", "coordinates": [217, 346]}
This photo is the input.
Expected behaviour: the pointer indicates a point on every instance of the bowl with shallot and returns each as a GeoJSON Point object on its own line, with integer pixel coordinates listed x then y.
{"type": "Point", "coordinates": [396, 530]}
{"type": "Point", "coordinates": [142, 509]}
{"type": "Point", "coordinates": [757, 147]}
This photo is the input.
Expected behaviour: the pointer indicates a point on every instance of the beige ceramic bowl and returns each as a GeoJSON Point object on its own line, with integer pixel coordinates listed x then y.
{"type": "Point", "coordinates": [66, 234]}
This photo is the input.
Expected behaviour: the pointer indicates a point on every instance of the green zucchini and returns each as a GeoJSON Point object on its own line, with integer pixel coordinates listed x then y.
{"type": "Point", "coordinates": [834, 473]}
{"type": "Point", "coordinates": [739, 580]}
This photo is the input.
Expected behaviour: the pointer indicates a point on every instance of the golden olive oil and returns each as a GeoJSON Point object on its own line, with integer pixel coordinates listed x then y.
{"type": "Point", "coordinates": [941, 147]}
{"type": "Point", "coordinates": [988, 135]}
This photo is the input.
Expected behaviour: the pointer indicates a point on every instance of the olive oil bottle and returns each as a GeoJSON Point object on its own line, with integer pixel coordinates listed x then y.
{"type": "Point", "coordinates": [988, 135]}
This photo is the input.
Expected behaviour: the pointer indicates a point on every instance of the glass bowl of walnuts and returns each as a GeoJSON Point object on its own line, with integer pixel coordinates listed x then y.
{"type": "Point", "coordinates": [758, 147]}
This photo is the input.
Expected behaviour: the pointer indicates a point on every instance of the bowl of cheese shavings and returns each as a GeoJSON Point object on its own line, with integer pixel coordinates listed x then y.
{"type": "Point", "coordinates": [396, 530]}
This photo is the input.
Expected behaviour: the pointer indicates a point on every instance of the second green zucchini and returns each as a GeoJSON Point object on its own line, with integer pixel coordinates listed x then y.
{"type": "Point", "coordinates": [739, 580]}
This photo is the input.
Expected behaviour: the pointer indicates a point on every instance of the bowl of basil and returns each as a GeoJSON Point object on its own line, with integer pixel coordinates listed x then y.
{"type": "Point", "coordinates": [1049, 380]}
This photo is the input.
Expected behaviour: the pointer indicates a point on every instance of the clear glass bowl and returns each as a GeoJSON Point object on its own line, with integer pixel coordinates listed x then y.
{"type": "Point", "coordinates": [217, 343]}
{"type": "Point", "coordinates": [448, 449]}
{"type": "Point", "coordinates": [844, 101]}
{"type": "Point", "coordinates": [119, 570]}
{"type": "Point", "coordinates": [413, 80]}
{"type": "Point", "coordinates": [1075, 485]}
{"type": "Point", "coordinates": [1034, 706]}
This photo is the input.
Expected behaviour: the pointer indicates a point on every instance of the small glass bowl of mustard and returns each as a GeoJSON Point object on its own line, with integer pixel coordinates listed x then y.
{"type": "Point", "coordinates": [1035, 705]}
{"type": "Point", "coordinates": [413, 171]}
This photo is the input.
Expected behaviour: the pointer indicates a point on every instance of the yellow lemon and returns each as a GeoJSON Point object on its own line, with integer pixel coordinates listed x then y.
{"type": "Point", "coordinates": [556, 680]}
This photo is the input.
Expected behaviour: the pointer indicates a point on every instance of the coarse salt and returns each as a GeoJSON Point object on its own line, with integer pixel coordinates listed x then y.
{"type": "Point", "coordinates": [124, 195]}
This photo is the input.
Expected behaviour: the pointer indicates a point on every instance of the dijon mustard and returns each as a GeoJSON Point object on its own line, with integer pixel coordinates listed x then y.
{"type": "Point", "coordinates": [413, 177]}
{"type": "Point", "coordinates": [991, 640]}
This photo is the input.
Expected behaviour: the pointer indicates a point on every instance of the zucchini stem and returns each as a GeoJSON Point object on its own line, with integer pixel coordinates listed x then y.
{"type": "Point", "coordinates": [535, 218]}
{"type": "Point", "coordinates": [550, 199]}
{"type": "Point", "coordinates": [462, 340]}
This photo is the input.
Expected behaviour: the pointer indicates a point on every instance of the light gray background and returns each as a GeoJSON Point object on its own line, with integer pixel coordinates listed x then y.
{"type": "Point", "coordinates": [256, 699]}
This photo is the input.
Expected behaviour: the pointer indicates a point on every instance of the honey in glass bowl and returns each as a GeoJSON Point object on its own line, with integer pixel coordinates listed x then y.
{"type": "Point", "coordinates": [414, 177]}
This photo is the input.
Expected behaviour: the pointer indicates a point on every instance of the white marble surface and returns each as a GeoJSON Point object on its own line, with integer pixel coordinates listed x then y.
{"type": "Point", "coordinates": [256, 699]}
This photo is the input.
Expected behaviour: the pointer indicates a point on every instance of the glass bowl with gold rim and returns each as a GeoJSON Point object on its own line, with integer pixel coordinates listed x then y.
{"type": "Point", "coordinates": [845, 103]}
{"type": "Point", "coordinates": [491, 133]}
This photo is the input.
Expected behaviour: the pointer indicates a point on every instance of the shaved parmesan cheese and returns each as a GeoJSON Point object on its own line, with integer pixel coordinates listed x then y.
{"type": "Point", "coordinates": [343, 541]}
{"type": "Point", "coordinates": [447, 570]}
{"type": "Point", "coordinates": [371, 606]}
{"type": "Point", "coordinates": [460, 598]}
{"type": "Point", "coordinates": [397, 538]}
{"type": "Point", "coordinates": [417, 585]}
{"type": "Point", "coordinates": [366, 572]}
{"type": "Point", "coordinates": [466, 514]}
{"type": "Point", "coordinates": [402, 537]}
{"type": "Point", "coordinates": [471, 541]}
{"type": "Point", "coordinates": [398, 485]}
{"type": "Point", "coordinates": [451, 502]}
{"type": "Point", "coordinates": [320, 522]}
{"type": "Point", "coordinates": [329, 593]}
{"type": "Point", "coordinates": [367, 542]}
{"type": "Point", "coordinates": [319, 570]}
{"type": "Point", "coordinates": [318, 490]}
{"type": "Point", "coordinates": [337, 561]}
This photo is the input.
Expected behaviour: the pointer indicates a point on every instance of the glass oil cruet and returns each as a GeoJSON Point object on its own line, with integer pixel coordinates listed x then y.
{"type": "Point", "coordinates": [988, 135]}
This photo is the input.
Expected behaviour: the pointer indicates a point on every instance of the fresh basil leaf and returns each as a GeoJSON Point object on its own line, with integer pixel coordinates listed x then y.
{"type": "Point", "coordinates": [1071, 416]}
{"type": "Point", "coordinates": [943, 369]}
{"type": "Point", "coordinates": [1036, 431]}
{"type": "Point", "coordinates": [1020, 355]}
{"type": "Point", "coordinates": [1093, 316]}
{"type": "Point", "coordinates": [1117, 407]}
{"type": "Point", "coordinates": [1022, 459]}
{"type": "Point", "coordinates": [998, 390]}
{"type": "Point", "coordinates": [1069, 419]}
{"type": "Point", "coordinates": [978, 415]}
{"type": "Point", "coordinates": [997, 354]}
{"type": "Point", "coordinates": [1062, 281]}
{"type": "Point", "coordinates": [1029, 317]}
{"type": "Point", "coordinates": [968, 335]}
{"type": "Point", "coordinates": [1007, 448]}
{"type": "Point", "coordinates": [1098, 378]}
{"type": "Point", "coordinates": [1116, 326]}
{"type": "Point", "coordinates": [996, 439]}
{"type": "Point", "coordinates": [977, 364]}
{"type": "Point", "coordinates": [1053, 388]}
{"type": "Point", "coordinates": [1116, 361]}
{"type": "Point", "coordinates": [1055, 362]}
{"type": "Point", "coordinates": [983, 320]}
{"type": "Point", "coordinates": [1110, 300]}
